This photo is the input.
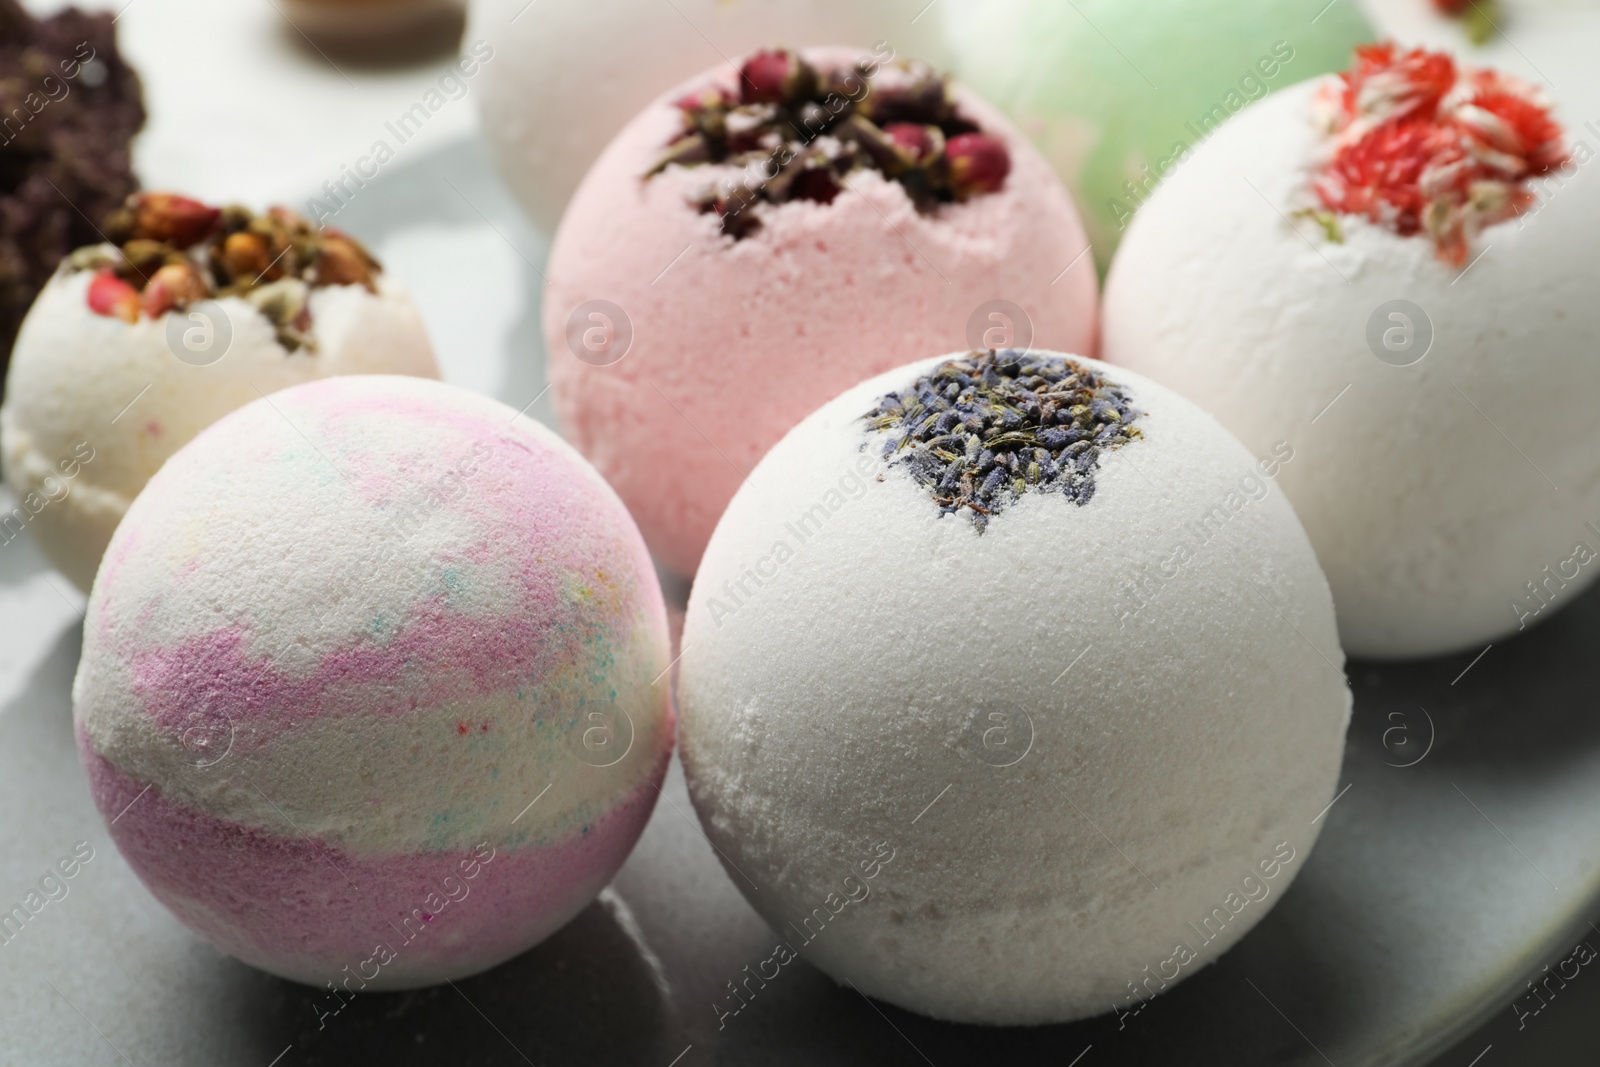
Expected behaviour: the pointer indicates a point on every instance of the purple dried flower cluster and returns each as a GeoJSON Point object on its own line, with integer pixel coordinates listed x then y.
{"type": "Point", "coordinates": [980, 431]}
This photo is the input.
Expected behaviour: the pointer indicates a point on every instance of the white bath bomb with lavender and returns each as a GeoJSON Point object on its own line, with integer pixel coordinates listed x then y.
{"type": "Point", "coordinates": [1010, 681]}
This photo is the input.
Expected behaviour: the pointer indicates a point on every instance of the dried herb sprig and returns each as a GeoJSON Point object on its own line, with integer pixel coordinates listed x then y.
{"type": "Point", "coordinates": [980, 431]}
{"type": "Point", "coordinates": [796, 132]}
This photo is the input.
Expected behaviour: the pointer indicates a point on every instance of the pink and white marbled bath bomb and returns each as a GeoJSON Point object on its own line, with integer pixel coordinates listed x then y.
{"type": "Point", "coordinates": [735, 341]}
{"type": "Point", "coordinates": [339, 645]}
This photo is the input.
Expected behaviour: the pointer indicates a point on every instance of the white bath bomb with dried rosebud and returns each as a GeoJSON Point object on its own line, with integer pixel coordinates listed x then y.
{"type": "Point", "coordinates": [987, 744]}
{"type": "Point", "coordinates": [565, 75]}
{"type": "Point", "coordinates": [1440, 396]}
{"type": "Point", "coordinates": [97, 400]}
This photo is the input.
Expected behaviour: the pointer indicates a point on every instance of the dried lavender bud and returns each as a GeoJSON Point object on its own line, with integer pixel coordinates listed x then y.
{"type": "Point", "coordinates": [913, 92]}
{"type": "Point", "coordinates": [994, 441]}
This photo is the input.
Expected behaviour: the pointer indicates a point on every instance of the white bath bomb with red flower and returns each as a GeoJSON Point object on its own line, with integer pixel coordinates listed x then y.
{"type": "Point", "coordinates": [775, 234]}
{"type": "Point", "coordinates": [1392, 271]}
{"type": "Point", "coordinates": [566, 75]}
{"type": "Point", "coordinates": [136, 346]}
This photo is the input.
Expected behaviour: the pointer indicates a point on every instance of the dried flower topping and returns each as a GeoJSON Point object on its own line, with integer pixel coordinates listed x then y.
{"type": "Point", "coordinates": [1479, 18]}
{"type": "Point", "coordinates": [980, 431]}
{"type": "Point", "coordinates": [1421, 145]}
{"type": "Point", "coordinates": [172, 251]}
{"type": "Point", "coordinates": [114, 298]}
{"type": "Point", "coordinates": [793, 132]}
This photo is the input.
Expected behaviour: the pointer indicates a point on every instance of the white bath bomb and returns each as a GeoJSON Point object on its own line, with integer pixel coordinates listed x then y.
{"type": "Point", "coordinates": [95, 405]}
{"type": "Point", "coordinates": [1446, 449]}
{"type": "Point", "coordinates": [565, 75]}
{"type": "Point", "coordinates": [1007, 776]}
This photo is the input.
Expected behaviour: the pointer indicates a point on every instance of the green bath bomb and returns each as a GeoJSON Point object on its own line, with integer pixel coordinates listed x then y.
{"type": "Point", "coordinates": [1116, 93]}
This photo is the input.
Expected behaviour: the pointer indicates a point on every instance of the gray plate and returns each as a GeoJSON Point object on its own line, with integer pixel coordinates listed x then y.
{"type": "Point", "coordinates": [1435, 890]}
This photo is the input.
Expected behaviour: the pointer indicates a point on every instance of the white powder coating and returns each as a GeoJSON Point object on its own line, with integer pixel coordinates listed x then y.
{"type": "Point", "coordinates": [847, 651]}
{"type": "Point", "coordinates": [568, 74]}
{"type": "Point", "coordinates": [1434, 493]}
{"type": "Point", "coordinates": [85, 385]}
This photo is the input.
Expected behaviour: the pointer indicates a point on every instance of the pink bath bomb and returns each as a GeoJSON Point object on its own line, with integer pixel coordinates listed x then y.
{"type": "Point", "coordinates": [371, 691]}
{"type": "Point", "coordinates": [692, 321]}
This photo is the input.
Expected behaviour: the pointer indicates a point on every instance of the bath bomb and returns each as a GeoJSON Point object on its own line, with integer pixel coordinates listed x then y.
{"type": "Point", "coordinates": [566, 75]}
{"type": "Point", "coordinates": [746, 249]}
{"type": "Point", "coordinates": [350, 25]}
{"type": "Point", "coordinates": [370, 691]}
{"type": "Point", "coordinates": [1010, 682]}
{"type": "Point", "coordinates": [1401, 292]}
{"type": "Point", "coordinates": [1492, 31]}
{"type": "Point", "coordinates": [1118, 93]}
{"type": "Point", "coordinates": [135, 346]}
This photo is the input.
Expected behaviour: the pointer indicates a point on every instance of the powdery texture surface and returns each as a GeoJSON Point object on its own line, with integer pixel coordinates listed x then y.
{"type": "Point", "coordinates": [839, 699]}
{"type": "Point", "coordinates": [738, 341]}
{"type": "Point", "coordinates": [344, 639]}
{"type": "Point", "coordinates": [1428, 490]}
{"type": "Point", "coordinates": [566, 76]}
{"type": "Point", "coordinates": [78, 388]}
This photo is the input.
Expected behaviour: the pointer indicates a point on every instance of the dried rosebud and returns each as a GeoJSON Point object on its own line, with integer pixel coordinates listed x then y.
{"type": "Point", "coordinates": [114, 298]}
{"type": "Point", "coordinates": [795, 132]}
{"type": "Point", "coordinates": [118, 225]}
{"type": "Point", "coordinates": [708, 99]}
{"type": "Point", "coordinates": [245, 256]}
{"type": "Point", "coordinates": [815, 183]}
{"type": "Point", "coordinates": [778, 76]}
{"type": "Point", "coordinates": [236, 217]}
{"type": "Point", "coordinates": [870, 139]}
{"type": "Point", "coordinates": [173, 286]}
{"type": "Point", "coordinates": [850, 84]}
{"type": "Point", "coordinates": [287, 305]}
{"type": "Point", "coordinates": [172, 219]}
{"type": "Point", "coordinates": [286, 255]}
{"type": "Point", "coordinates": [706, 113]}
{"type": "Point", "coordinates": [978, 164]}
{"type": "Point", "coordinates": [917, 145]}
{"type": "Point", "coordinates": [343, 263]}
{"type": "Point", "coordinates": [914, 93]}
{"type": "Point", "coordinates": [283, 303]}
{"type": "Point", "coordinates": [144, 257]}
{"type": "Point", "coordinates": [287, 218]}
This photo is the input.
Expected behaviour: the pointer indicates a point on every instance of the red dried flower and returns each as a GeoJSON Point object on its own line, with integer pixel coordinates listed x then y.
{"type": "Point", "coordinates": [1422, 145]}
{"type": "Point", "coordinates": [114, 298]}
{"type": "Point", "coordinates": [978, 163]}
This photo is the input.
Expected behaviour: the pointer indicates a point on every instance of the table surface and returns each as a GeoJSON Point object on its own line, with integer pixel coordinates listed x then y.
{"type": "Point", "coordinates": [1436, 891]}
